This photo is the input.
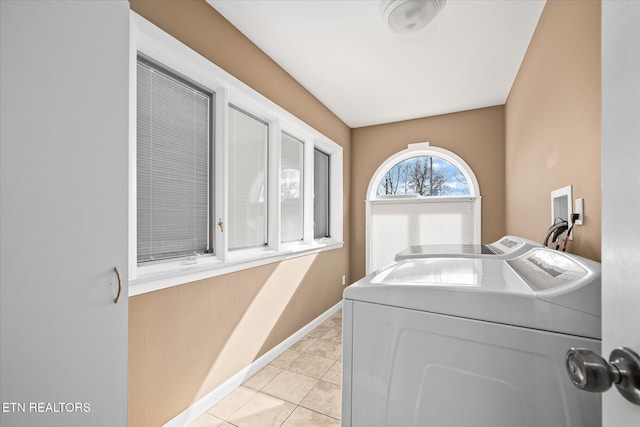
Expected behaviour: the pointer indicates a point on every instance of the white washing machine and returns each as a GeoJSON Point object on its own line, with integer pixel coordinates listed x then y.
{"type": "Point", "coordinates": [470, 342]}
{"type": "Point", "coordinates": [506, 247]}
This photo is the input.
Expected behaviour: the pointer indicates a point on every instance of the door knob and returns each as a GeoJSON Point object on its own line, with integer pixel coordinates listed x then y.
{"type": "Point", "coordinates": [590, 372]}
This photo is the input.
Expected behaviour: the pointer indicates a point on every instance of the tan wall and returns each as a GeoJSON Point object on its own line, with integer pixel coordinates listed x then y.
{"type": "Point", "coordinates": [553, 124]}
{"type": "Point", "coordinates": [186, 340]}
{"type": "Point", "coordinates": [476, 136]}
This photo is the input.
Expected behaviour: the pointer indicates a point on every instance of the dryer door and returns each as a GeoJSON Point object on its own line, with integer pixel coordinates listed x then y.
{"type": "Point", "coordinates": [411, 368]}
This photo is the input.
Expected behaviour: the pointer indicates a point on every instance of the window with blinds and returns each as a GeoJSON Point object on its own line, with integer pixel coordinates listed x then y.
{"type": "Point", "coordinates": [174, 149]}
{"type": "Point", "coordinates": [223, 178]}
{"type": "Point", "coordinates": [320, 195]}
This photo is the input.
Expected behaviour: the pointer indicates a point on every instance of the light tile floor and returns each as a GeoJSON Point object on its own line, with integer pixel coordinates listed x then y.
{"type": "Point", "coordinates": [301, 388]}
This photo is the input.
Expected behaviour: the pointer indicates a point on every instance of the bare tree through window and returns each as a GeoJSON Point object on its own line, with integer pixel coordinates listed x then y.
{"type": "Point", "coordinates": [425, 176]}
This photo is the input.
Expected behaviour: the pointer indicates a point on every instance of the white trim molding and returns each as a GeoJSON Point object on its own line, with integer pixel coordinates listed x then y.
{"type": "Point", "coordinates": [198, 408]}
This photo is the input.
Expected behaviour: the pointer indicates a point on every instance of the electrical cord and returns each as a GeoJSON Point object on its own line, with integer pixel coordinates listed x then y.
{"type": "Point", "coordinates": [574, 218]}
{"type": "Point", "coordinates": [559, 227]}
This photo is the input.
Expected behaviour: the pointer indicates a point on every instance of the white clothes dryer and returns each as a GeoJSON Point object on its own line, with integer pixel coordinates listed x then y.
{"type": "Point", "coordinates": [470, 342]}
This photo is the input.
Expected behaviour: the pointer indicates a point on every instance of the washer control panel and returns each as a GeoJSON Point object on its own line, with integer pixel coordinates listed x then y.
{"type": "Point", "coordinates": [505, 245]}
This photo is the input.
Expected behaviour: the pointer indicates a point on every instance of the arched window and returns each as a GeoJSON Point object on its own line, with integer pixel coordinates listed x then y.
{"type": "Point", "coordinates": [423, 176]}
{"type": "Point", "coordinates": [421, 195]}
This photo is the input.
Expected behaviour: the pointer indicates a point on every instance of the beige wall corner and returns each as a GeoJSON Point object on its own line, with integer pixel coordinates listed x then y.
{"type": "Point", "coordinates": [187, 340]}
{"type": "Point", "coordinates": [477, 136]}
{"type": "Point", "coordinates": [553, 124]}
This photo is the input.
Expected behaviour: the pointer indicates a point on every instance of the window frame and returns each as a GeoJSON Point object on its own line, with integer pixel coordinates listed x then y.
{"type": "Point", "coordinates": [417, 150]}
{"type": "Point", "coordinates": [267, 183]}
{"type": "Point", "coordinates": [210, 178]}
{"type": "Point", "coordinates": [328, 197]}
{"type": "Point", "coordinates": [402, 190]}
{"type": "Point", "coordinates": [301, 188]}
{"type": "Point", "coordinates": [151, 42]}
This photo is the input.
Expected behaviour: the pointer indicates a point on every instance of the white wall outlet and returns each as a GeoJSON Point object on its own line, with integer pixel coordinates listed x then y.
{"type": "Point", "coordinates": [344, 279]}
{"type": "Point", "coordinates": [579, 209]}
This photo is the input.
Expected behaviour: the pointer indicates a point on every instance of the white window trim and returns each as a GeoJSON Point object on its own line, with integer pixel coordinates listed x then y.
{"type": "Point", "coordinates": [414, 150]}
{"type": "Point", "coordinates": [423, 149]}
{"type": "Point", "coordinates": [154, 43]}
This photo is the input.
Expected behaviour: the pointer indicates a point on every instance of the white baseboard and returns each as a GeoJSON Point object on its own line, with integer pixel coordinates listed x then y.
{"type": "Point", "coordinates": [198, 408]}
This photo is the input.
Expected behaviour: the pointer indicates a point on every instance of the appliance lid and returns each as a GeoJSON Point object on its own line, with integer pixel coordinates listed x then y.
{"type": "Point", "coordinates": [505, 247]}
{"type": "Point", "coordinates": [541, 289]}
{"type": "Point", "coordinates": [423, 251]}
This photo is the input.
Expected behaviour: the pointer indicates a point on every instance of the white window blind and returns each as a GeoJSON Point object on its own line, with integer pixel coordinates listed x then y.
{"type": "Point", "coordinates": [173, 176]}
{"type": "Point", "coordinates": [320, 194]}
{"type": "Point", "coordinates": [291, 187]}
{"type": "Point", "coordinates": [248, 138]}
{"type": "Point", "coordinates": [399, 223]}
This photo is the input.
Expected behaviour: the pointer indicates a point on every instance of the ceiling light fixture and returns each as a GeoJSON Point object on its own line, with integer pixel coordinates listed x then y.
{"type": "Point", "coordinates": [409, 16]}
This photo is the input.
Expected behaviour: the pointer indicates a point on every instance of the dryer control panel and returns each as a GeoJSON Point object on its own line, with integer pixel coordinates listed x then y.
{"type": "Point", "coordinates": [544, 270]}
{"type": "Point", "coordinates": [562, 279]}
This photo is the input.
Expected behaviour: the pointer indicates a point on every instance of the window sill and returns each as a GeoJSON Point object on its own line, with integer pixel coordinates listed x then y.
{"type": "Point", "coordinates": [388, 199]}
{"type": "Point", "coordinates": [174, 273]}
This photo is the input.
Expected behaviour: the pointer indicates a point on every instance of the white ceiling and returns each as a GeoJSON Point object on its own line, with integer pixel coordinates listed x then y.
{"type": "Point", "coordinates": [342, 52]}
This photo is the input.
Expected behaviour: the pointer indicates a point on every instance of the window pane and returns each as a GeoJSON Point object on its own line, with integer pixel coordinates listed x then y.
{"type": "Point", "coordinates": [247, 180]}
{"type": "Point", "coordinates": [291, 188]}
{"type": "Point", "coordinates": [424, 176]}
{"type": "Point", "coordinates": [320, 194]}
{"type": "Point", "coordinates": [396, 226]}
{"type": "Point", "coordinates": [173, 150]}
